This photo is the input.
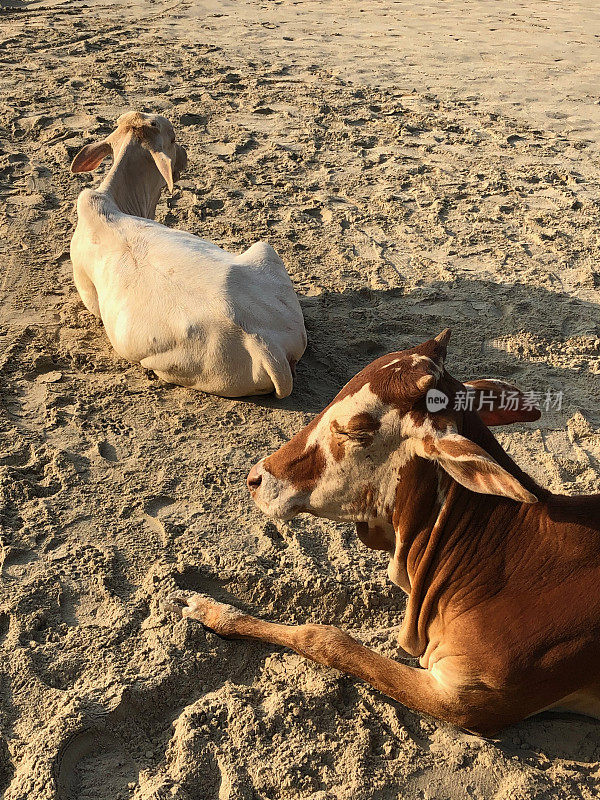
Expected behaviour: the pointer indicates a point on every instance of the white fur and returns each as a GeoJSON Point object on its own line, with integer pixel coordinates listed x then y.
{"type": "Point", "coordinates": [344, 481]}
{"type": "Point", "coordinates": [181, 306]}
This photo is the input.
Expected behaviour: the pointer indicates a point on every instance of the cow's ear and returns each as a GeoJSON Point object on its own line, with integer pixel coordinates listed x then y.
{"type": "Point", "coordinates": [436, 348]}
{"type": "Point", "coordinates": [428, 366]}
{"type": "Point", "coordinates": [500, 403]}
{"type": "Point", "coordinates": [472, 467]}
{"type": "Point", "coordinates": [90, 156]}
{"type": "Point", "coordinates": [181, 161]}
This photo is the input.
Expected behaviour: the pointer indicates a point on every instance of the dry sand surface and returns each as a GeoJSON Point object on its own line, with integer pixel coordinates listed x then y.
{"type": "Point", "coordinates": [417, 165]}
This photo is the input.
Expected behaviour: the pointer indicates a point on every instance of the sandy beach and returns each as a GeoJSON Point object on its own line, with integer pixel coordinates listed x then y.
{"type": "Point", "coordinates": [416, 166]}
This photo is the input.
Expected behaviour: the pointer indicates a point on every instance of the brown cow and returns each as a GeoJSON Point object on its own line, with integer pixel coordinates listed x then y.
{"type": "Point", "coordinates": [502, 576]}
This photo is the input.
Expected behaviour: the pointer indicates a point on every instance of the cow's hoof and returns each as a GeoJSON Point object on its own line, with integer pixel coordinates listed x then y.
{"type": "Point", "coordinates": [219, 617]}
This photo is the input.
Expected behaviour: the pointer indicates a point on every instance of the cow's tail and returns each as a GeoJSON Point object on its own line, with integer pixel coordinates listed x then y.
{"type": "Point", "coordinates": [280, 372]}
{"type": "Point", "coordinates": [276, 364]}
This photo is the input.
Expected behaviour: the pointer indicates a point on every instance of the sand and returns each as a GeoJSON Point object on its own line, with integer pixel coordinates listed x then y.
{"type": "Point", "coordinates": [417, 166]}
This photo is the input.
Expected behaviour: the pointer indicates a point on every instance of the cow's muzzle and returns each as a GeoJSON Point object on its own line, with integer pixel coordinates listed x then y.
{"type": "Point", "coordinates": [274, 496]}
{"type": "Point", "coordinates": [254, 479]}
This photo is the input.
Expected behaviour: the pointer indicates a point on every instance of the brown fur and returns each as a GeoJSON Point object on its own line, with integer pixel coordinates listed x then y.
{"type": "Point", "coordinates": [303, 466]}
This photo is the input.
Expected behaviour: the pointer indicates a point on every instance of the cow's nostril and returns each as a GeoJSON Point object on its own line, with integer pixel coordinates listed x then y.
{"type": "Point", "coordinates": [254, 479]}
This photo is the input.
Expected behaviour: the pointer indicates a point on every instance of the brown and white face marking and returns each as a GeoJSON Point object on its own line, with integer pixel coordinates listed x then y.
{"type": "Point", "coordinates": [339, 465]}
{"type": "Point", "coordinates": [345, 464]}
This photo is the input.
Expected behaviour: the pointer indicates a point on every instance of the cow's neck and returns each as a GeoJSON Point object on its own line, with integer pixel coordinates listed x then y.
{"type": "Point", "coordinates": [133, 182]}
{"type": "Point", "coordinates": [443, 533]}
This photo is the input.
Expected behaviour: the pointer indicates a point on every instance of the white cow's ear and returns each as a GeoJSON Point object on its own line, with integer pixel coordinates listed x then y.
{"type": "Point", "coordinates": [181, 160]}
{"type": "Point", "coordinates": [90, 156]}
{"type": "Point", "coordinates": [164, 165]}
{"type": "Point", "coordinates": [474, 468]}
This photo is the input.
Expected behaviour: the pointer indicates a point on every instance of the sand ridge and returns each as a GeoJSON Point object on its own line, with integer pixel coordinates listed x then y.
{"type": "Point", "coordinates": [398, 210]}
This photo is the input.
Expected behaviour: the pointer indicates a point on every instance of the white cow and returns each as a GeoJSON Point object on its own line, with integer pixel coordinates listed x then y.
{"type": "Point", "coordinates": [170, 301]}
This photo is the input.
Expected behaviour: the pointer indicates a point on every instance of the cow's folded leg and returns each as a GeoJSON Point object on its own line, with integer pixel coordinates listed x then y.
{"type": "Point", "coordinates": [326, 644]}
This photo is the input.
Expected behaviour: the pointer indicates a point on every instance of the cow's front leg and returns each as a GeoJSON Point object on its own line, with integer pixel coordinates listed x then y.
{"type": "Point", "coordinates": [219, 617]}
{"type": "Point", "coordinates": [416, 688]}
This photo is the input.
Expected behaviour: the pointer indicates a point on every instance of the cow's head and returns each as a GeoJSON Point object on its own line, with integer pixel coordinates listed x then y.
{"type": "Point", "coordinates": [150, 134]}
{"type": "Point", "coordinates": [346, 463]}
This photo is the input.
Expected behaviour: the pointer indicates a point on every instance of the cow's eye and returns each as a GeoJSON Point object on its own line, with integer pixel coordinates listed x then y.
{"type": "Point", "coordinates": [364, 437]}
{"type": "Point", "coordinates": [361, 436]}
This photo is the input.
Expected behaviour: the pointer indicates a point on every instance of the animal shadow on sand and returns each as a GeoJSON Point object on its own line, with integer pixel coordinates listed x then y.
{"type": "Point", "coordinates": [349, 329]}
